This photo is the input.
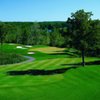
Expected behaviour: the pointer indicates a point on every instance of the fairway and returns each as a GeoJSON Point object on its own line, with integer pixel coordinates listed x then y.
{"type": "Point", "coordinates": [81, 83]}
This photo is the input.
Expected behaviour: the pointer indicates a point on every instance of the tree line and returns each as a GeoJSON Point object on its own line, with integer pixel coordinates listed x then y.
{"type": "Point", "coordinates": [32, 33]}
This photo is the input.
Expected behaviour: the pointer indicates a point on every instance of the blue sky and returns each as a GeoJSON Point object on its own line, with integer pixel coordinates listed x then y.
{"type": "Point", "coordinates": [45, 10]}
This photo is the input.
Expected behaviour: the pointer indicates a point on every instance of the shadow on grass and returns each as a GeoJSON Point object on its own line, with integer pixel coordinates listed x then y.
{"type": "Point", "coordinates": [87, 63]}
{"type": "Point", "coordinates": [67, 54]}
{"type": "Point", "coordinates": [40, 72]}
{"type": "Point", "coordinates": [50, 72]}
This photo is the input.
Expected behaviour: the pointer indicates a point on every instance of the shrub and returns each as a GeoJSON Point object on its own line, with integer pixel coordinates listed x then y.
{"type": "Point", "coordinates": [10, 58]}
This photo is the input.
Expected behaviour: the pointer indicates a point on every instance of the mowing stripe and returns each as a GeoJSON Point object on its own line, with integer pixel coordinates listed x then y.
{"type": "Point", "coordinates": [38, 64]}
{"type": "Point", "coordinates": [24, 66]}
{"type": "Point", "coordinates": [49, 63]}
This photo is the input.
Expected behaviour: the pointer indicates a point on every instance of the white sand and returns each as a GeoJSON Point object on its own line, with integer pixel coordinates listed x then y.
{"type": "Point", "coordinates": [19, 47]}
{"type": "Point", "coordinates": [31, 53]}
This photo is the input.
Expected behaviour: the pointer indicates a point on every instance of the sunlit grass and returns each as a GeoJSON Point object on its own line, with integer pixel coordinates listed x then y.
{"type": "Point", "coordinates": [49, 50]}
{"type": "Point", "coordinates": [82, 83]}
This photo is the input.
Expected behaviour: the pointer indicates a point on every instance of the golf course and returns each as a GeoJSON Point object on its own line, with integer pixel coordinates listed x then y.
{"type": "Point", "coordinates": [54, 74]}
{"type": "Point", "coordinates": [49, 50]}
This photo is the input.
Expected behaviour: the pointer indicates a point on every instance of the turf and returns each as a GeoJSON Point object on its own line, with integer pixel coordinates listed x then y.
{"type": "Point", "coordinates": [82, 83]}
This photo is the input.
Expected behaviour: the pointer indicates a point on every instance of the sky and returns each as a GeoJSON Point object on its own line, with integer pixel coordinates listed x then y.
{"type": "Point", "coordinates": [45, 10]}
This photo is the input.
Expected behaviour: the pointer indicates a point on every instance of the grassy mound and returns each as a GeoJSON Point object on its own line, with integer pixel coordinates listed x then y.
{"type": "Point", "coordinates": [10, 58]}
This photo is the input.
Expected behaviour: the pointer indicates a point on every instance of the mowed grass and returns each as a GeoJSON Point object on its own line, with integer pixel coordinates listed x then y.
{"type": "Point", "coordinates": [49, 50]}
{"type": "Point", "coordinates": [82, 83]}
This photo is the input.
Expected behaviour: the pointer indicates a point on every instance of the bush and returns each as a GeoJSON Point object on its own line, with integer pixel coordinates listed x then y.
{"type": "Point", "coordinates": [10, 58]}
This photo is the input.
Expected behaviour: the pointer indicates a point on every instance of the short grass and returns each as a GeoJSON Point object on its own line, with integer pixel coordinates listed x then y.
{"type": "Point", "coordinates": [49, 50]}
{"type": "Point", "coordinates": [82, 83]}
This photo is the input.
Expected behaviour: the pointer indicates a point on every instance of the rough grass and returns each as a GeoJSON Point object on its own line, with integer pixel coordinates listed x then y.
{"type": "Point", "coordinates": [10, 58]}
{"type": "Point", "coordinates": [82, 83]}
{"type": "Point", "coordinates": [9, 54]}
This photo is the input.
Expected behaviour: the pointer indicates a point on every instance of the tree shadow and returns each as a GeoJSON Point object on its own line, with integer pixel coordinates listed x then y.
{"type": "Point", "coordinates": [50, 72]}
{"type": "Point", "coordinates": [67, 54]}
{"type": "Point", "coordinates": [87, 63]}
{"type": "Point", "coordinates": [93, 62]}
{"type": "Point", "coordinates": [40, 72]}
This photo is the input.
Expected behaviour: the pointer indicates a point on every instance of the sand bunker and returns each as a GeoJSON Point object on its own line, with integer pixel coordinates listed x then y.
{"type": "Point", "coordinates": [31, 53]}
{"type": "Point", "coordinates": [19, 47]}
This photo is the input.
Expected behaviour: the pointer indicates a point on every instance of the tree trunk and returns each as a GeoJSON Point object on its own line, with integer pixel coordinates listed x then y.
{"type": "Point", "coordinates": [83, 57]}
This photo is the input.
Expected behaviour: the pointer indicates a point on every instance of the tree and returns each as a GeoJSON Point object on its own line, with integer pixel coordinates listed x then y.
{"type": "Point", "coordinates": [56, 38]}
{"type": "Point", "coordinates": [2, 33]}
{"type": "Point", "coordinates": [78, 27]}
{"type": "Point", "coordinates": [11, 33]}
{"type": "Point", "coordinates": [94, 41]}
{"type": "Point", "coordinates": [35, 34]}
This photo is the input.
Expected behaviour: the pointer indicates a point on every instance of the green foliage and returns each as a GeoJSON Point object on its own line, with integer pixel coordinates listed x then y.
{"type": "Point", "coordinates": [33, 33]}
{"type": "Point", "coordinates": [2, 32]}
{"type": "Point", "coordinates": [9, 58]}
{"type": "Point", "coordinates": [56, 38]}
{"type": "Point", "coordinates": [94, 41]}
{"type": "Point", "coordinates": [78, 27]}
{"type": "Point", "coordinates": [9, 54]}
{"type": "Point", "coordinates": [83, 32]}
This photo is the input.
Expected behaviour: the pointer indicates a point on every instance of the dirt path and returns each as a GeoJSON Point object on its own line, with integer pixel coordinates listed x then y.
{"type": "Point", "coordinates": [30, 59]}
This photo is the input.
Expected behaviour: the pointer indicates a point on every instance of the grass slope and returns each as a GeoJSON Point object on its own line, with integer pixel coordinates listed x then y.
{"type": "Point", "coordinates": [82, 83]}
